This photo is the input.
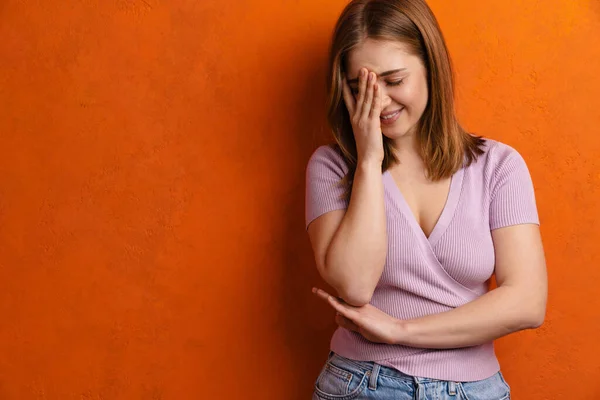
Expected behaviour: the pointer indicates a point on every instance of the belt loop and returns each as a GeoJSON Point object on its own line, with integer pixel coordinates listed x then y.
{"type": "Point", "coordinates": [374, 376]}
{"type": "Point", "coordinates": [419, 392]}
{"type": "Point", "coordinates": [452, 388]}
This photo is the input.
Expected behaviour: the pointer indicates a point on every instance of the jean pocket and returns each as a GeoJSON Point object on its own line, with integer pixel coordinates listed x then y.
{"type": "Point", "coordinates": [492, 388]}
{"type": "Point", "coordinates": [338, 383]}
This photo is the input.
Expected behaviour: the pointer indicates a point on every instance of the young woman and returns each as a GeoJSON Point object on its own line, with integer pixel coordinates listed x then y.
{"type": "Point", "coordinates": [409, 216]}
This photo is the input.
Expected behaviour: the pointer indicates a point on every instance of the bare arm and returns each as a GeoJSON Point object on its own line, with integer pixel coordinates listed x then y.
{"type": "Point", "coordinates": [350, 247]}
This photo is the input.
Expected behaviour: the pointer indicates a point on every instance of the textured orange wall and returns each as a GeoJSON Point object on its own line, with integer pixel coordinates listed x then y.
{"type": "Point", "coordinates": [152, 160]}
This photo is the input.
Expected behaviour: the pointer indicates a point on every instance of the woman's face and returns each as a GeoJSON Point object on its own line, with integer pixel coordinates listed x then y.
{"type": "Point", "coordinates": [402, 79]}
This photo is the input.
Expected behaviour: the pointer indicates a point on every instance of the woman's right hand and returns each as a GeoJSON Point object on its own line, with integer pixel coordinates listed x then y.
{"type": "Point", "coordinates": [364, 116]}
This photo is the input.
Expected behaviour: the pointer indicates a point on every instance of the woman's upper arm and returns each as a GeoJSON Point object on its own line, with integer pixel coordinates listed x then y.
{"type": "Point", "coordinates": [325, 200]}
{"type": "Point", "coordinates": [321, 232]}
{"type": "Point", "coordinates": [520, 256]}
{"type": "Point", "coordinates": [514, 224]}
{"type": "Point", "coordinates": [520, 263]}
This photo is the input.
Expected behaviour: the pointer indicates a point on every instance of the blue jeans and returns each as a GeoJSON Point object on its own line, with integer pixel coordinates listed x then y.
{"type": "Point", "coordinates": [345, 379]}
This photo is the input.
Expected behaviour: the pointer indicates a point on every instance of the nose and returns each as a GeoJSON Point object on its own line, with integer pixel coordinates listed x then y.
{"type": "Point", "coordinates": [385, 101]}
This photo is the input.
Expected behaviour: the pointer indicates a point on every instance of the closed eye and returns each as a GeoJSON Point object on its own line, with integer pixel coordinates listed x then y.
{"type": "Point", "coordinates": [354, 91]}
{"type": "Point", "coordinates": [395, 83]}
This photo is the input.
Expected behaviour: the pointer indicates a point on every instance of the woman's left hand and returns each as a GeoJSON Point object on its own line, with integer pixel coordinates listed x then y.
{"type": "Point", "coordinates": [375, 325]}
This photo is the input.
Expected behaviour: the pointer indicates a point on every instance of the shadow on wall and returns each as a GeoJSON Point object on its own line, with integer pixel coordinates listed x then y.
{"type": "Point", "coordinates": [309, 322]}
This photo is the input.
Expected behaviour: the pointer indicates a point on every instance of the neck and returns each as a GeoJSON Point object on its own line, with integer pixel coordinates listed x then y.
{"type": "Point", "coordinates": [407, 150]}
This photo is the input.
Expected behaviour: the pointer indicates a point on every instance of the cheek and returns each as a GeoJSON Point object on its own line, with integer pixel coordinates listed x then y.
{"type": "Point", "coordinates": [410, 96]}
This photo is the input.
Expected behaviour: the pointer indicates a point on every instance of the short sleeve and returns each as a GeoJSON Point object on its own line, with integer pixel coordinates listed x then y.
{"type": "Point", "coordinates": [324, 191]}
{"type": "Point", "coordinates": [512, 198]}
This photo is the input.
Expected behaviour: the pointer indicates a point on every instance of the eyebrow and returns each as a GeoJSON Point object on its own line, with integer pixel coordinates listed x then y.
{"type": "Point", "coordinates": [383, 74]}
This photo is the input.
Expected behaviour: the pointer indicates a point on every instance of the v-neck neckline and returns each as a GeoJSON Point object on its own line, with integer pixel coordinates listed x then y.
{"type": "Point", "coordinates": [447, 212]}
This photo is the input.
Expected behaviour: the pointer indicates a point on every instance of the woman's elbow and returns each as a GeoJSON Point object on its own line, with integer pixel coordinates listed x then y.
{"type": "Point", "coordinates": [356, 297]}
{"type": "Point", "coordinates": [351, 294]}
{"type": "Point", "coordinates": [355, 292]}
{"type": "Point", "coordinates": [535, 316]}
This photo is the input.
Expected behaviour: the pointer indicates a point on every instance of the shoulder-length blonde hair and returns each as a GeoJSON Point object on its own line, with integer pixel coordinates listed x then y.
{"type": "Point", "coordinates": [444, 145]}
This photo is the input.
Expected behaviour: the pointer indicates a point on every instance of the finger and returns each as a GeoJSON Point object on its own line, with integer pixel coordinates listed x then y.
{"type": "Point", "coordinates": [326, 296]}
{"type": "Point", "coordinates": [321, 293]}
{"type": "Point", "coordinates": [342, 308]}
{"type": "Point", "coordinates": [349, 312]}
{"type": "Point", "coordinates": [368, 100]}
{"type": "Point", "coordinates": [337, 304]}
{"type": "Point", "coordinates": [346, 323]}
{"type": "Point", "coordinates": [348, 98]}
{"type": "Point", "coordinates": [376, 109]}
{"type": "Point", "coordinates": [362, 89]}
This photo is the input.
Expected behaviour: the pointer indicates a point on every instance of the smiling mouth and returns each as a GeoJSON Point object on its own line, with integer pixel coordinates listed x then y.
{"type": "Point", "coordinates": [391, 115]}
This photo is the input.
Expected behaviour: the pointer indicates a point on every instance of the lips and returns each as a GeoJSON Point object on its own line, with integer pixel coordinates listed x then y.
{"type": "Point", "coordinates": [390, 115]}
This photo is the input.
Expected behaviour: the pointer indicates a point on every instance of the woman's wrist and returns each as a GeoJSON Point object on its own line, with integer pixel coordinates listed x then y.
{"type": "Point", "coordinates": [369, 163]}
{"type": "Point", "coordinates": [401, 332]}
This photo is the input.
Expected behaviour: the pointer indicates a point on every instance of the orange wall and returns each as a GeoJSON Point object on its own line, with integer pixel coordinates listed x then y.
{"type": "Point", "coordinates": [152, 161]}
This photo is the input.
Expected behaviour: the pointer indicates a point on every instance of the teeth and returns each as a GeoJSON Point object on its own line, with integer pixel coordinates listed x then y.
{"type": "Point", "coordinates": [390, 116]}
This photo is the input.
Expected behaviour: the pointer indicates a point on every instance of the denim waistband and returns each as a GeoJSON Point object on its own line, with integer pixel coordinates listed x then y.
{"type": "Point", "coordinates": [364, 366]}
{"type": "Point", "coordinates": [373, 370]}
{"type": "Point", "coordinates": [368, 366]}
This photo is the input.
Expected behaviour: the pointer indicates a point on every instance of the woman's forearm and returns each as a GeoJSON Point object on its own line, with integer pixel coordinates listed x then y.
{"type": "Point", "coordinates": [497, 313]}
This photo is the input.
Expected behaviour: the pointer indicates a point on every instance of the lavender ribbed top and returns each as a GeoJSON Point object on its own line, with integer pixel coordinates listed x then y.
{"type": "Point", "coordinates": [429, 275]}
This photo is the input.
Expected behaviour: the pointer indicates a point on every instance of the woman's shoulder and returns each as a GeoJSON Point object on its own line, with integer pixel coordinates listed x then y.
{"type": "Point", "coordinates": [328, 151]}
{"type": "Point", "coordinates": [496, 155]}
{"type": "Point", "coordinates": [328, 157]}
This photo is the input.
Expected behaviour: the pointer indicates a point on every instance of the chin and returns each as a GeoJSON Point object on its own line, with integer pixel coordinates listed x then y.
{"type": "Point", "coordinates": [397, 133]}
